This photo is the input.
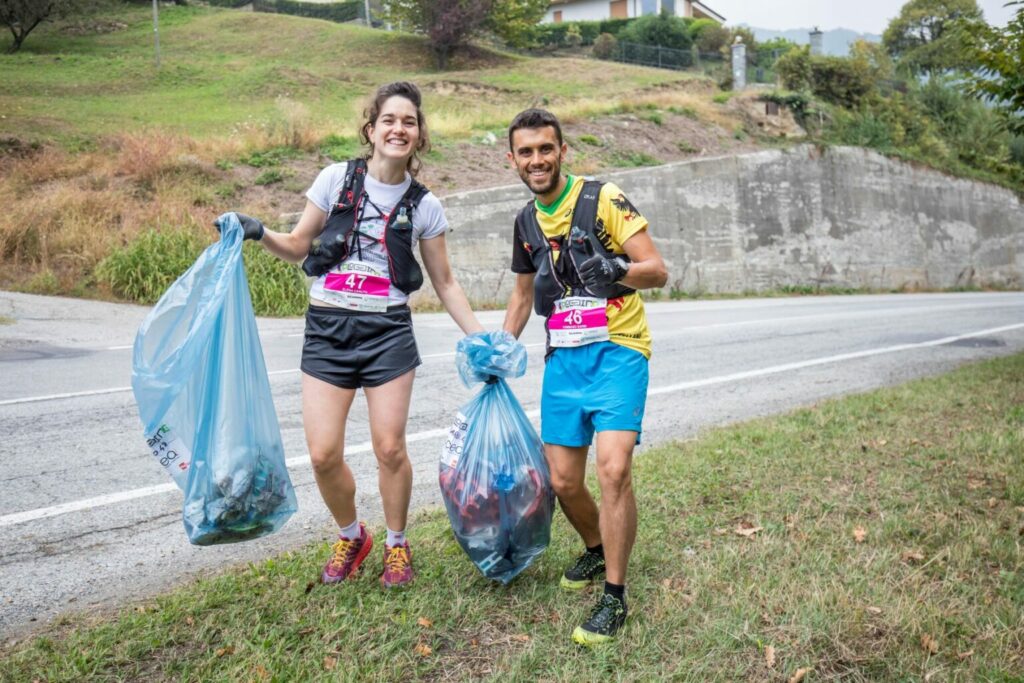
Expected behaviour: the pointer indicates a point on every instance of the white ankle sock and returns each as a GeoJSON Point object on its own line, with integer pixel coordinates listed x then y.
{"type": "Point", "coordinates": [396, 537]}
{"type": "Point", "coordinates": [351, 532]}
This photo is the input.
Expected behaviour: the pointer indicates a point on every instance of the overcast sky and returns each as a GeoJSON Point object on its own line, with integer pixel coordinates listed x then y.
{"type": "Point", "coordinates": [866, 16]}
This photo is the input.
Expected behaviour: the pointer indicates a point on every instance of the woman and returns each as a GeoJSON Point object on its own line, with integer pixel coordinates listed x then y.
{"type": "Point", "coordinates": [361, 220]}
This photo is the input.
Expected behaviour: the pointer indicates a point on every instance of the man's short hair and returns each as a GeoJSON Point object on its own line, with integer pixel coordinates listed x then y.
{"type": "Point", "coordinates": [534, 118]}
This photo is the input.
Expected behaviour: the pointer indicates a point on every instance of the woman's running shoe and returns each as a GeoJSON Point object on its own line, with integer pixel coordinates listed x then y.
{"type": "Point", "coordinates": [346, 556]}
{"type": "Point", "coordinates": [397, 566]}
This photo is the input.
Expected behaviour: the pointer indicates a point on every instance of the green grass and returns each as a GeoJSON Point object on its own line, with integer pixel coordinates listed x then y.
{"type": "Point", "coordinates": [224, 72]}
{"type": "Point", "coordinates": [847, 538]}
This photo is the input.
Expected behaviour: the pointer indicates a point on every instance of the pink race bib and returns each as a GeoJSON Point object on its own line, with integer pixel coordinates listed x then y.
{"type": "Point", "coordinates": [358, 286]}
{"type": "Point", "coordinates": [577, 321]}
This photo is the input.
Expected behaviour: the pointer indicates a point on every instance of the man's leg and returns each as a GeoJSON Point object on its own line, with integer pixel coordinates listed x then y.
{"type": "Point", "coordinates": [568, 467]}
{"type": "Point", "coordinates": [618, 504]}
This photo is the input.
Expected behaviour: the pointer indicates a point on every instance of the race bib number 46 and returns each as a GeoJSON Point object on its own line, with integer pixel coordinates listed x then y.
{"type": "Point", "coordinates": [578, 320]}
{"type": "Point", "coordinates": [358, 286]}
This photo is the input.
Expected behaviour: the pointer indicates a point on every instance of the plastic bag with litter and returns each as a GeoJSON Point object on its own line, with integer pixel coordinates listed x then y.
{"type": "Point", "coordinates": [494, 479]}
{"type": "Point", "coordinates": [204, 398]}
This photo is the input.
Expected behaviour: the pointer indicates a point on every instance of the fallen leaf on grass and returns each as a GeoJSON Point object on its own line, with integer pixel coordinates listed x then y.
{"type": "Point", "coordinates": [521, 637]}
{"type": "Point", "coordinates": [974, 483]}
{"type": "Point", "coordinates": [746, 529]}
{"type": "Point", "coordinates": [422, 649]}
{"type": "Point", "coordinates": [330, 663]}
{"type": "Point", "coordinates": [912, 556]}
{"type": "Point", "coordinates": [929, 644]}
{"type": "Point", "coordinates": [424, 622]}
{"type": "Point", "coordinates": [224, 651]}
{"type": "Point", "coordinates": [964, 655]}
{"type": "Point", "coordinates": [473, 642]}
{"type": "Point", "coordinates": [875, 610]}
{"type": "Point", "coordinates": [262, 673]}
{"type": "Point", "coordinates": [799, 675]}
{"type": "Point", "coordinates": [769, 656]}
{"type": "Point", "coordinates": [992, 502]}
{"type": "Point", "coordinates": [190, 621]}
{"type": "Point", "coordinates": [859, 534]}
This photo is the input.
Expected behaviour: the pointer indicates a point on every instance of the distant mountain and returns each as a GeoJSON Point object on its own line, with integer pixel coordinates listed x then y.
{"type": "Point", "coordinates": [835, 42]}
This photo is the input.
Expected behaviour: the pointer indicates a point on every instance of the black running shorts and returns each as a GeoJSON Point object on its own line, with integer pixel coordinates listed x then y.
{"type": "Point", "coordinates": [352, 349]}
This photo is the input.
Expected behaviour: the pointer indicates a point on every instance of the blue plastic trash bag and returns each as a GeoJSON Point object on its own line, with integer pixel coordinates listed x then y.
{"type": "Point", "coordinates": [494, 479]}
{"type": "Point", "coordinates": [204, 398]}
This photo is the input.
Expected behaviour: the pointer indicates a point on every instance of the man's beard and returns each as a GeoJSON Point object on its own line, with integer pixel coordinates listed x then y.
{"type": "Point", "coordinates": [556, 169]}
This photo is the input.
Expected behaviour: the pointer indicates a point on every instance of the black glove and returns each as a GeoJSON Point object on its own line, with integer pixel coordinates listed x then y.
{"type": "Point", "coordinates": [252, 228]}
{"type": "Point", "coordinates": [598, 271]}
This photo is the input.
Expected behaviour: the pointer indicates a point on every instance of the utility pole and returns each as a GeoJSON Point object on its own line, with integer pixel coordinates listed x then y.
{"type": "Point", "coordinates": [156, 32]}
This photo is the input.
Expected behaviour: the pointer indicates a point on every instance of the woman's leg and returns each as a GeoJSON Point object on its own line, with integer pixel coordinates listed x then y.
{"type": "Point", "coordinates": [324, 413]}
{"type": "Point", "coordinates": [389, 412]}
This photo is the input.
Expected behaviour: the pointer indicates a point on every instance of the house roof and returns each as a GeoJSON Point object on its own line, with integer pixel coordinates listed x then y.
{"type": "Point", "coordinates": [700, 6]}
{"type": "Point", "coordinates": [708, 11]}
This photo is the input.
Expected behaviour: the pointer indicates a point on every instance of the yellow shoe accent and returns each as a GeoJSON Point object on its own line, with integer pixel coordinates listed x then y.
{"type": "Point", "coordinates": [588, 639]}
{"type": "Point", "coordinates": [570, 585]}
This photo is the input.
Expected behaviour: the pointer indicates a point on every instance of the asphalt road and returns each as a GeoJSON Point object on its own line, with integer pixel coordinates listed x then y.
{"type": "Point", "coordinates": [88, 520]}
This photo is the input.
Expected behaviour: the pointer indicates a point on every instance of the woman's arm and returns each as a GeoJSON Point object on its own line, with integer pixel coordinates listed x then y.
{"type": "Point", "coordinates": [435, 257]}
{"type": "Point", "coordinates": [294, 246]}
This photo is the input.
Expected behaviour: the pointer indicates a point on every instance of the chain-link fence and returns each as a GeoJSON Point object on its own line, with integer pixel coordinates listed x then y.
{"type": "Point", "coordinates": [655, 55]}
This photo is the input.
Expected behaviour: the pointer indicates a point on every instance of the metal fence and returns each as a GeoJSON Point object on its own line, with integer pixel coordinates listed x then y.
{"type": "Point", "coordinates": [654, 55]}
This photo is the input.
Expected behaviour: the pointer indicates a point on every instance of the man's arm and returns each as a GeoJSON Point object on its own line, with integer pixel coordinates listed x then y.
{"type": "Point", "coordinates": [647, 269]}
{"type": "Point", "coordinates": [520, 304]}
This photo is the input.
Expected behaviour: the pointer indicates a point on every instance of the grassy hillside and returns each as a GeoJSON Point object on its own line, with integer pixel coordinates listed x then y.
{"type": "Point", "coordinates": [222, 68]}
{"type": "Point", "coordinates": [108, 163]}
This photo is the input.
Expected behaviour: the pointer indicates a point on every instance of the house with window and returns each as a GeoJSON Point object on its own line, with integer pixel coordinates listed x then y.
{"type": "Point", "coordinates": [596, 10]}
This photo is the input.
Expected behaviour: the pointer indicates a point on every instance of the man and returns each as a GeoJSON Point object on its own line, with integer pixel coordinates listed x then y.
{"type": "Point", "coordinates": [581, 271]}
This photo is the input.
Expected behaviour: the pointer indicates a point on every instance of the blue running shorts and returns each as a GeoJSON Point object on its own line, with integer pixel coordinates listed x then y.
{"type": "Point", "coordinates": [597, 387]}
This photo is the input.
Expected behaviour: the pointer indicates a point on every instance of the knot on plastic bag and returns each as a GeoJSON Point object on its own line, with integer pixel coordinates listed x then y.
{"type": "Point", "coordinates": [484, 355]}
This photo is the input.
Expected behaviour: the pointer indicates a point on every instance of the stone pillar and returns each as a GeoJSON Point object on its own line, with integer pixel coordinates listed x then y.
{"type": "Point", "coordinates": [739, 65]}
{"type": "Point", "coordinates": [817, 42]}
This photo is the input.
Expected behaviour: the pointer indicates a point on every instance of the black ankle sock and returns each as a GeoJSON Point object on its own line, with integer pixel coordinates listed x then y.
{"type": "Point", "coordinates": [614, 589]}
{"type": "Point", "coordinates": [597, 549]}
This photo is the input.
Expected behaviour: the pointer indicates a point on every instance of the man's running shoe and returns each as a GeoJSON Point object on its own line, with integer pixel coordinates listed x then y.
{"type": "Point", "coordinates": [397, 566]}
{"type": "Point", "coordinates": [605, 621]}
{"type": "Point", "coordinates": [588, 567]}
{"type": "Point", "coordinates": [346, 556]}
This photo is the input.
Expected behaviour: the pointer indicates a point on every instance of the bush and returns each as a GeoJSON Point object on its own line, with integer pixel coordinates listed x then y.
{"type": "Point", "coordinates": [331, 11]}
{"type": "Point", "coordinates": [712, 39]}
{"type": "Point", "coordinates": [573, 37]}
{"type": "Point", "coordinates": [839, 80]}
{"type": "Point", "coordinates": [554, 35]}
{"type": "Point", "coordinates": [606, 46]}
{"type": "Point", "coordinates": [697, 27]}
{"type": "Point", "coordinates": [661, 30]}
{"type": "Point", "coordinates": [144, 269]}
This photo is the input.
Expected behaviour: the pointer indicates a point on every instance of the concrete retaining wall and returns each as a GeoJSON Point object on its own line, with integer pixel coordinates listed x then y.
{"type": "Point", "coordinates": [845, 217]}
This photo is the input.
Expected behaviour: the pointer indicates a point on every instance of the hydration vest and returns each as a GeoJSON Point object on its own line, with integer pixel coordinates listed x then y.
{"type": "Point", "coordinates": [333, 245]}
{"type": "Point", "coordinates": [559, 279]}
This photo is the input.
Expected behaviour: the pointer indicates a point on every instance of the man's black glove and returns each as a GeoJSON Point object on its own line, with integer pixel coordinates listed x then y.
{"type": "Point", "coordinates": [598, 271]}
{"type": "Point", "coordinates": [252, 228]}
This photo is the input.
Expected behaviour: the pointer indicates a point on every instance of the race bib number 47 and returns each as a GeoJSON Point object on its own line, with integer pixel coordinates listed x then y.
{"type": "Point", "coordinates": [578, 320]}
{"type": "Point", "coordinates": [358, 286]}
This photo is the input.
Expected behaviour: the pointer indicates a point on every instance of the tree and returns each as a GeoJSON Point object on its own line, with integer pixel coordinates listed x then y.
{"type": "Point", "coordinates": [22, 16]}
{"type": "Point", "coordinates": [1000, 56]}
{"type": "Point", "coordinates": [713, 38]}
{"type": "Point", "coordinates": [447, 24]}
{"type": "Point", "coordinates": [924, 37]}
{"type": "Point", "coordinates": [514, 20]}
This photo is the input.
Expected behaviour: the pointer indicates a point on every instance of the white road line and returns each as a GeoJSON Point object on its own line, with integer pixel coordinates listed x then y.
{"type": "Point", "coordinates": [660, 335]}
{"type": "Point", "coordinates": [366, 446]}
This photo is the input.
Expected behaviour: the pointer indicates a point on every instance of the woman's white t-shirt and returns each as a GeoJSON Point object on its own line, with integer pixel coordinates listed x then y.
{"type": "Point", "coordinates": [428, 221]}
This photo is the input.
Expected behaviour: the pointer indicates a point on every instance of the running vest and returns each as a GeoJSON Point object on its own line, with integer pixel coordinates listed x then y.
{"type": "Point", "coordinates": [333, 245]}
{"type": "Point", "coordinates": [559, 279]}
